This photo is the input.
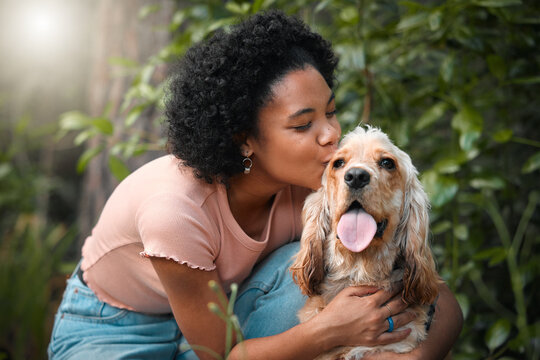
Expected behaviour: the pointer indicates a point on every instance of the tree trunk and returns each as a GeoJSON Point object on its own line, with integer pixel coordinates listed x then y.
{"type": "Point", "coordinates": [119, 32]}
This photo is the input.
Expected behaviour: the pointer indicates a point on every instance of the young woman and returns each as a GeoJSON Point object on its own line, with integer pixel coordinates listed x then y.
{"type": "Point", "coordinates": [252, 125]}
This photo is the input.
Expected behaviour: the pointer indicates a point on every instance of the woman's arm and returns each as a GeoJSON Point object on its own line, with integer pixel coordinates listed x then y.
{"type": "Point", "coordinates": [352, 318]}
{"type": "Point", "coordinates": [443, 333]}
{"type": "Point", "coordinates": [189, 294]}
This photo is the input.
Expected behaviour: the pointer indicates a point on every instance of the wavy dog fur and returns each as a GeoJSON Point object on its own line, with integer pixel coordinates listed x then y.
{"type": "Point", "coordinates": [395, 198]}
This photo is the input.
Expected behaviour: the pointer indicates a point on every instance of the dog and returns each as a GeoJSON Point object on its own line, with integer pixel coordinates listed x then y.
{"type": "Point", "coordinates": [367, 225]}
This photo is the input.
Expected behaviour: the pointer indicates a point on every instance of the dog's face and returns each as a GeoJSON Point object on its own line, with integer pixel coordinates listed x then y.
{"type": "Point", "coordinates": [367, 174]}
{"type": "Point", "coordinates": [370, 211]}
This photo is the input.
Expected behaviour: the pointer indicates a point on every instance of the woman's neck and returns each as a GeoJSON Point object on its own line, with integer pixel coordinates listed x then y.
{"type": "Point", "coordinates": [250, 202]}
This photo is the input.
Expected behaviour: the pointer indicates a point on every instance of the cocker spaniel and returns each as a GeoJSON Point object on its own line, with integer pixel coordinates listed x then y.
{"type": "Point", "coordinates": [367, 225]}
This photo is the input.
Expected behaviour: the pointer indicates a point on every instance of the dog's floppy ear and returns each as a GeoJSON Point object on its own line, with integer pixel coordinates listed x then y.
{"type": "Point", "coordinates": [420, 278]}
{"type": "Point", "coordinates": [308, 266]}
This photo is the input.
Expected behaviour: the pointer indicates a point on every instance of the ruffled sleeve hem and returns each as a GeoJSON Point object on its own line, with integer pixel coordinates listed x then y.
{"type": "Point", "coordinates": [148, 254]}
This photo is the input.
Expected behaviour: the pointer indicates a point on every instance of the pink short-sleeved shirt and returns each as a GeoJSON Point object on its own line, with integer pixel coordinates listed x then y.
{"type": "Point", "coordinates": [163, 210]}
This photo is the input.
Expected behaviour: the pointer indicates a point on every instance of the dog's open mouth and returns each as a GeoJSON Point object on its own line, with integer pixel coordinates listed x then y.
{"type": "Point", "coordinates": [356, 228]}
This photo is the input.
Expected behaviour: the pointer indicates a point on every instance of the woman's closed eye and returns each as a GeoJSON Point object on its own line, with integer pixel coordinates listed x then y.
{"type": "Point", "coordinates": [331, 113]}
{"type": "Point", "coordinates": [303, 127]}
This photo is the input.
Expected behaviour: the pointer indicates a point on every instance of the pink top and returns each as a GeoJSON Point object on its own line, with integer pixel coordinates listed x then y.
{"type": "Point", "coordinates": [163, 210]}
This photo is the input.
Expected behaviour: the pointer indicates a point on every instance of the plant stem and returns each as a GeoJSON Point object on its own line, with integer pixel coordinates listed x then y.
{"type": "Point", "coordinates": [515, 275]}
{"type": "Point", "coordinates": [524, 141]}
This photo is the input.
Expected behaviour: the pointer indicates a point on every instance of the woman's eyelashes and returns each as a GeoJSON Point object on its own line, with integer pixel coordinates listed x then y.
{"type": "Point", "coordinates": [331, 113]}
{"type": "Point", "coordinates": [308, 124]}
{"type": "Point", "coordinates": [303, 127]}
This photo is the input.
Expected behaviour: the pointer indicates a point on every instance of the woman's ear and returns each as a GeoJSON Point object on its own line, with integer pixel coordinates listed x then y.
{"type": "Point", "coordinates": [308, 266]}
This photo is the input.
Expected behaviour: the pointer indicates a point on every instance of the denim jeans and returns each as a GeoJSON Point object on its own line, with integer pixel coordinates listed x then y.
{"type": "Point", "coordinates": [86, 328]}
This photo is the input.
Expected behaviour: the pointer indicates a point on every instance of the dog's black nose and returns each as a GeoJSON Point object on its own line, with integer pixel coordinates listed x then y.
{"type": "Point", "coordinates": [357, 178]}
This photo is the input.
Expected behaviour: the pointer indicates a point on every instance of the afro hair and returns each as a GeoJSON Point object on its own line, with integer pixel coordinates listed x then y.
{"type": "Point", "coordinates": [219, 86]}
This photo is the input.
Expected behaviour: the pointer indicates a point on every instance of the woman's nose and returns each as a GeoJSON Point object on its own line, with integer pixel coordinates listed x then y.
{"type": "Point", "coordinates": [330, 133]}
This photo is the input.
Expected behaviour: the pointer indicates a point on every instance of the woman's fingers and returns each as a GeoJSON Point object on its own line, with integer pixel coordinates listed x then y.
{"type": "Point", "coordinates": [394, 306]}
{"type": "Point", "coordinates": [393, 337]}
{"type": "Point", "coordinates": [361, 290]}
{"type": "Point", "coordinates": [399, 320]}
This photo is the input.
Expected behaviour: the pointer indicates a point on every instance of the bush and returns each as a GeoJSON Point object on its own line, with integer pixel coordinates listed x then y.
{"type": "Point", "coordinates": [456, 84]}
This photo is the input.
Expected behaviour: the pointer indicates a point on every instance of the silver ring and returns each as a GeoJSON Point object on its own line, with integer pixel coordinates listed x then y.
{"type": "Point", "coordinates": [389, 310]}
{"type": "Point", "coordinates": [390, 324]}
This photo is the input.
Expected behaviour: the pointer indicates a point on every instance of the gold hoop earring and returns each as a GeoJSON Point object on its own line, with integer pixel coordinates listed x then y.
{"type": "Point", "coordinates": [247, 165]}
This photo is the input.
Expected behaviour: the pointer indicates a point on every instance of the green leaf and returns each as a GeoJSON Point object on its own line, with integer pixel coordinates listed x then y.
{"type": "Point", "coordinates": [447, 68]}
{"type": "Point", "coordinates": [464, 304]}
{"type": "Point", "coordinates": [496, 66]}
{"type": "Point", "coordinates": [85, 158]}
{"type": "Point", "coordinates": [134, 113]}
{"type": "Point", "coordinates": [118, 168]}
{"type": "Point", "coordinates": [322, 5]}
{"type": "Point", "coordinates": [441, 189]}
{"type": "Point", "coordinates": [468, 120]}
{"type": "Point", "coordinates": [103, 125]}
{"type": "Point", "coordinates": [352, 56]}
{"type": "Point", "coordinates": [448, 166]}
{"type": "Point", "coordinates": [239, 9]}
{"type": "Point", "coordinates": [497, 334]}
{"type": "Point", "coordinates": [469, 123]}
{"type": "Point", "coordinates": [435, 20]}
{"type": "Point", "coordinates": [461, 232]}
{"type": "Point", "coordinates": [74, 120]}
{"type": "Point", "coordinates": [148, 9]}
{"type": "Point", "coordinates": [349, 15]}
{"type": "Point", "coordinates": [257, 4]}
{"type": "Point", "coordinates": [495, 255]}
{"type": "Point", "coordinates": [467, 141]}
{"type": "Point", "coordinates": [433, 114]}
{"type": "Point", "coordinates": [441, 227]}
{"type": "Point", "coordinates": [177, 20]}
{"type": "Point", "coordinates": [503, 136]}
{"type": "Point", "coordinates": [493, 182]}
{"type": "Point", "coordinates": [526, 80]}
{"type": "Point", "coordinates": [83, 136]}
{"type": "Point", "coordinates": [5, 169]}
{"type": "Point", "coordinates": [147, 72]}
{"type": "Point", "coordinates": [532, 164]}
{"type": "Point", "coordinates": [123, 62]}
{"type": "Point", "coordinates": [412, 21]}
{"type": "Point", "coordinates": [497, 3]}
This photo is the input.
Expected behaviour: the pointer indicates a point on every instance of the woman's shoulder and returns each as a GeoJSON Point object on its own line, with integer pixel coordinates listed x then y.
{"type": "Point", "coordinates": [167, 176]}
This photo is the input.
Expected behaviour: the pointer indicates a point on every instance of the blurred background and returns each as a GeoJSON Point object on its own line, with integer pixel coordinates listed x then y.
{"type": "Point", "coordinates": [456, 83]}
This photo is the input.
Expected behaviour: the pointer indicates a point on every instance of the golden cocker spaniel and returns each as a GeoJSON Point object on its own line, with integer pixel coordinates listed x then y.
{"type": "Point", "coordinates": [367, 225]}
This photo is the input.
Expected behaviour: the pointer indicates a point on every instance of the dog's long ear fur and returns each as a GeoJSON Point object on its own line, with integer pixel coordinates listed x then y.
{"type": "Point", "coordinates": [420, 277]}
{"type": "Point", "coordinates": [308, 266]}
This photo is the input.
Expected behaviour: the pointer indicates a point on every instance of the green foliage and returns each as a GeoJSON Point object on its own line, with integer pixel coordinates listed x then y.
{"type": "Point", "coordinates": [31, 245]}
{"type": "Point", "coordinates": [225, 311]}
{"type": "Point", "coordinates": [453, 82]}
{"type": "Point", "coordinates": [30, 257]}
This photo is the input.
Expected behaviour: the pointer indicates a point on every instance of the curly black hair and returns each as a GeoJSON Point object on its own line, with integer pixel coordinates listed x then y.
{"type": "Point", "coordinates": [219, 86]}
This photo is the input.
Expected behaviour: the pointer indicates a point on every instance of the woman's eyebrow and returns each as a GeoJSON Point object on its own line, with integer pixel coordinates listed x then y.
{"type": "Point", "coordinates": [309, 110]}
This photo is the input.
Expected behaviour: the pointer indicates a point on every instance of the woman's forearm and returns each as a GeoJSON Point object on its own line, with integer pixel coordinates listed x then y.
{"type": "Point", "coordinates": [304, 341]}
{"type": "Point", "coordinates": [445, 328]}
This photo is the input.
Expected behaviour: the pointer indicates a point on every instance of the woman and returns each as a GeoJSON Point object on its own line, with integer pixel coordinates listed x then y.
{"type": "Point", "coordinates": [252, 124]}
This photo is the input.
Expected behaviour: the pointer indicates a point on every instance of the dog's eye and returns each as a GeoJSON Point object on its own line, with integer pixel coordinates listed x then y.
{"type": "Point", "coordinates": [338, 163]}
{"type": "Point", "coordinates": [387, 164]}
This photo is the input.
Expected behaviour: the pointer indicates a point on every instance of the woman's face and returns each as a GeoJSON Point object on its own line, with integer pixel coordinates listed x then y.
{"type": "Point", "coordinates": [298, 131]}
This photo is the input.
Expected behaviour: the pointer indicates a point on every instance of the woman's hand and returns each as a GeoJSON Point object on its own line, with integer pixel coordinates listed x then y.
{"type": "Point", "coordinates": [358, 316]}
{"type": "Point", "coordinates": [445, 328]}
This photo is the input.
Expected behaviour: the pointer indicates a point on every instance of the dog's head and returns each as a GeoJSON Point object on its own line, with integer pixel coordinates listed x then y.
{"type": "Point", "coordinates": [370, 208]}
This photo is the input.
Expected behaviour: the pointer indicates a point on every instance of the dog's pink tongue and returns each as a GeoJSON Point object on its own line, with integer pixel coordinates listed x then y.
{"type": "Point", "coordinates": [356, 229]}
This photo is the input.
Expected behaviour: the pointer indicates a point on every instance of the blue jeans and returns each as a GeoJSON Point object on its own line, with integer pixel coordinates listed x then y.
{"type": "Point", "coordinates": [86, 328]}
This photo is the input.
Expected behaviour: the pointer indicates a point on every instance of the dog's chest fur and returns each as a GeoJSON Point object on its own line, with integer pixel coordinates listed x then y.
{"type": "Point", "coordinates": [371, 268]}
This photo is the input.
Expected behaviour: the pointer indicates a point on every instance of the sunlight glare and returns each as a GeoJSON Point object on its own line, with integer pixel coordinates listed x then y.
{"type": "Point", "coordinates": [42, 29]}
